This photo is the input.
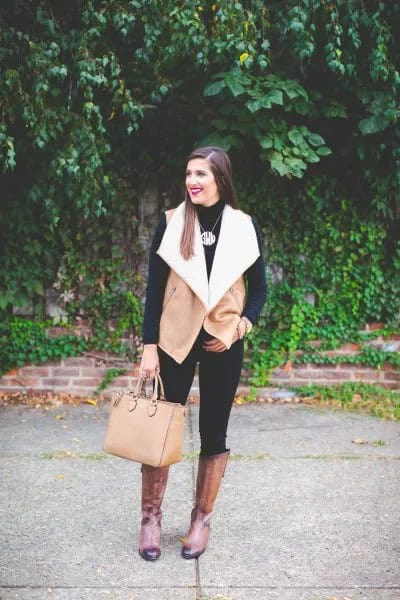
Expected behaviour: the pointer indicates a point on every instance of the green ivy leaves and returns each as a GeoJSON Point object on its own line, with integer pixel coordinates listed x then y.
{"type": "Point", "coordinates": [23, 341]}
{"type": "Point", "coordinates": [383, 111]}
{"type": "Point", "coordinates": [258, 111]}
{"type": "Point", "coordinates": [102, 96]}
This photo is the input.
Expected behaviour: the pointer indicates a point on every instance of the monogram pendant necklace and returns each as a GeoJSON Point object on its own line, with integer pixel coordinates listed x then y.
{"type": "Point", "coordinates": [207, 237]}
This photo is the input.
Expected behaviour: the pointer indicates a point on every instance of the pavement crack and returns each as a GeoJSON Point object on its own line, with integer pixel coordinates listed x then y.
{"type": "Point", "coordinates": [192, 450]}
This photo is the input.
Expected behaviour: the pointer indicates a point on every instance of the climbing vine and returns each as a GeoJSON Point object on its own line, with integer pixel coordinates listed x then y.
{"type": "Point", "coordinates": [100, 99]}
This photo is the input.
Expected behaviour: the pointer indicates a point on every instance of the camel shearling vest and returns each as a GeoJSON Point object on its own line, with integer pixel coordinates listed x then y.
{"type": "Point", "coordinates": [191, 300]}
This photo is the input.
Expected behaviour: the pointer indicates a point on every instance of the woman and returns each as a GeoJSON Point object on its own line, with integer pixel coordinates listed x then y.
{"type": "Point", "coordinates": [203, 254]}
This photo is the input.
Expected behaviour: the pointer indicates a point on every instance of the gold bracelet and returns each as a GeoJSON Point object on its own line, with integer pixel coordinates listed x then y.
{"type": "Point", "coordinates": [248, 325]}
{"type": "Point", "coordinates": [239, 332]}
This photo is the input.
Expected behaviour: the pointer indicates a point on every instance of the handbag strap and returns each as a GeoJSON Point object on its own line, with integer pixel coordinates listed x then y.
{"type": "Point", "coordinates": [159, 384]}
{"type": "Point", "coordinates": [139, 386]}
{"type": "Point", "coordinates": [158, 387]}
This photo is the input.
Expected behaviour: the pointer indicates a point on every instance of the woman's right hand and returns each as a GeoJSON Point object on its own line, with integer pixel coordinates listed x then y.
{"type": "Point", "coordinates": [150, 363]}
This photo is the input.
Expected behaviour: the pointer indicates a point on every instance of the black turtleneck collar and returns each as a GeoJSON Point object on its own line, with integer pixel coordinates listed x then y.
{"type": "Point", "coordinates": [208, 214]}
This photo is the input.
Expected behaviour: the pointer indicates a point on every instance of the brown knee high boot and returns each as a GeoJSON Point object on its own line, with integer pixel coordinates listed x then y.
{"type": "Point", "coordinates": [154, 482]}
{"type": "Point", "coordinates": [210, 472]}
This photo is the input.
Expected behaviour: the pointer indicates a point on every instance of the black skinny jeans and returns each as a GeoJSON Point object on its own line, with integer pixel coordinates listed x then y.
{"type": "Point", "coordinates": [219, 374]}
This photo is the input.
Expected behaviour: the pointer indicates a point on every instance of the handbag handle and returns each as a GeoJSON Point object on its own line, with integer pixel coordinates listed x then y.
{"type": "Point", "coordinates": [154, 399]}
{"type": "Point", "coordinates": [158, 383]}
{"type": "Point", "coordinates": [158, 386]}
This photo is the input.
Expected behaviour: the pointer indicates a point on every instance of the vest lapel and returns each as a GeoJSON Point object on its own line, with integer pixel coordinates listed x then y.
{"type": "Point", "coordinates": [192, 271]}
{"type": "Point", "coordinates": [236, 250]}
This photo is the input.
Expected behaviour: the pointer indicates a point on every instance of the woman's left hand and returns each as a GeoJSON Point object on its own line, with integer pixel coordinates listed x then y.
{"type": "Point", "coordinates": [214, 345]}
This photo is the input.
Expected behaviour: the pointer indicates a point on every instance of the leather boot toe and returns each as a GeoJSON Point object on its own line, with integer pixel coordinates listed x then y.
{"type": "Point", "coordinates": [150, 553]}
{"type": "Point", "coordinates": [189, 553]}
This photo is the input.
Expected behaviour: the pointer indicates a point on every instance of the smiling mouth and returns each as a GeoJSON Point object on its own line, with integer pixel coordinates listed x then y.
{"type": "Point", "coordinates": [195, 191]}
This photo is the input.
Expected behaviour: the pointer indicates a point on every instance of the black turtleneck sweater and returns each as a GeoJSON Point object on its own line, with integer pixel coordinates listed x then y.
{"type": "Point", "coordinates": [159, 271]}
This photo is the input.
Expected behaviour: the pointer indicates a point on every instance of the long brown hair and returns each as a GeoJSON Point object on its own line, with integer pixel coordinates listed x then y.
{"type": "Point", "coordinates": [221, 168]}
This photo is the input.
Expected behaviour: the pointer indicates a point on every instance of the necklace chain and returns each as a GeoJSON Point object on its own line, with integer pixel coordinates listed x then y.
{"type": "Point", "coordinates": [208, 237]}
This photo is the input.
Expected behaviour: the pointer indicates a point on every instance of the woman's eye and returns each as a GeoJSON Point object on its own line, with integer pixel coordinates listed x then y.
{"type": "Point", "coordinates": [198, 174]}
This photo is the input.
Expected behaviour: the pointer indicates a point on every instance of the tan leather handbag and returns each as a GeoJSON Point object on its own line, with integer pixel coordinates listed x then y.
{"type": "Point", "coordinates": [146, 429]}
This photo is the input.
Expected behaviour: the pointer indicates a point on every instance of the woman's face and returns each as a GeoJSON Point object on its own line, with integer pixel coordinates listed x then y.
{"type": "Point", "coordinates": [200, 182]}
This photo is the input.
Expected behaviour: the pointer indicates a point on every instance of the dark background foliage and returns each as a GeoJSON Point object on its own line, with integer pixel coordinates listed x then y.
{"type": "Point", "coordinates": [101, 101]}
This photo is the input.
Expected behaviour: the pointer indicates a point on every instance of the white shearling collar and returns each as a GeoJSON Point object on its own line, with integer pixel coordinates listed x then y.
{"type": "Point", "coordinates": [237, 249]}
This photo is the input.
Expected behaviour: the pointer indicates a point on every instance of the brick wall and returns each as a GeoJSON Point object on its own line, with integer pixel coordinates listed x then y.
{"type": "Point", "coordinates": [330, 374]}
{"type": "Point", "coordinates": [81, 375]}
{"type": "Point", "coordinates": [303, 374]}
{"type": "Point", "coordinates": [78, 376]}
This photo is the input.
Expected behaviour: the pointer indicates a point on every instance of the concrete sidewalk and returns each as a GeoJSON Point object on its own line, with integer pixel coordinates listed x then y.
{"type": "Point", "coordinates": [303, 514]}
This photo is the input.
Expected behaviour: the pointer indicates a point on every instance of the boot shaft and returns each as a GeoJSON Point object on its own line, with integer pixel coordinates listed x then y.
{"type": "Point", "coordinates": [154, 483]}
{"type": "Point", "coordinates": [211, 469]}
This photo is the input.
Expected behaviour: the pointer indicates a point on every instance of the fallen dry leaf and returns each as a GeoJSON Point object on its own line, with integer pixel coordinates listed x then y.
{"type": "Point", "coordinates": [44, 400]}
{"type": "Point", "coordinates": [60, 476]}
{"type": "Point", "coordinates": [239, 400]}
{"type": "Point", "coordinates": [91, 401]}
{"type": "Point", "coordinates": [359, 441]}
